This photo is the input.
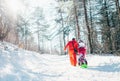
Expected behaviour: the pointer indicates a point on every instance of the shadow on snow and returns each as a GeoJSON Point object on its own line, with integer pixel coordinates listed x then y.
{"type": "Point", "coordinates": [115, 67]}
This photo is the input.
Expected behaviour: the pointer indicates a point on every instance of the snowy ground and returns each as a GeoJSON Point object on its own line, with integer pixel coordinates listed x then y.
{"type": "Point", "coordinates": [20, 65]}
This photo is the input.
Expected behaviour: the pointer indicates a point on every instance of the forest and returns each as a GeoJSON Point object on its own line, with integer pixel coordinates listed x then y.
{"type": "Point", "coordinates": [46, 26]}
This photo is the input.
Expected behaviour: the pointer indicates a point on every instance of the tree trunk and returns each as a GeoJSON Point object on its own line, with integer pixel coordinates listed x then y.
{"type": "Point", "coordinates": [38, 40]}
{"type": "Point", "coordinates": [77, 27]}
{"type": "Point", "coordinates": [88, 28]}
{"type": "Point", "coordinates": [117, 31]}
{"type": "Point", "coordinates": [117, 7]}
{"type": "Point", "coordinates": [108, 30]}
{"type": "Point", "coordinates": [62, 36]}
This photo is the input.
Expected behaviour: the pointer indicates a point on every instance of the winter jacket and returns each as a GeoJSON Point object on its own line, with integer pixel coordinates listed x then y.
{"type": "Point", "coordinates": [82, 48]}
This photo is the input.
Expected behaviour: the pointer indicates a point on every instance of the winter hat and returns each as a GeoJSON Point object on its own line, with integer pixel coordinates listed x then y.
{"type": "Point", "coordinates": [73, 38]}
{"type": "Point", "coordinates": [80, 40]}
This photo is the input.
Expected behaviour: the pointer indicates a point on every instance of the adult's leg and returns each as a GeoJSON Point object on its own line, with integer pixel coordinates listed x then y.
{"type": "Point", "coordinates": [73, 59]}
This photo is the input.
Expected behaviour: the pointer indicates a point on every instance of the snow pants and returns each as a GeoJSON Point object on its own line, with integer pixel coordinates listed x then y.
{"type": "Point", "coordinates": [73, 59]}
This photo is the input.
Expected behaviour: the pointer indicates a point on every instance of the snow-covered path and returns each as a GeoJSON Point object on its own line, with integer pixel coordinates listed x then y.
{"type": "Point", "coordinates": [58, 68]}
{"type": "Point", "coordinates": [23, 65]}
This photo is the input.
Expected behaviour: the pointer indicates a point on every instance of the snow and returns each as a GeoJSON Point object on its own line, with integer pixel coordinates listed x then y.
{"type": "Point", "coordinates": [20, 65]}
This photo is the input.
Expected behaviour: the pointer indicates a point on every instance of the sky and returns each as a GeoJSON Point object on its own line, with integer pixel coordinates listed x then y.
{"type": "Point", "coordinates": [15, 5]}
{"type": "Point", "coordinates": [19, 65]}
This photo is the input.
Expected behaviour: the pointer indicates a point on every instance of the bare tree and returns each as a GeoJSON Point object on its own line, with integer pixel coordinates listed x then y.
{"type": "Point", "coordinates": [88, 27]}
{"type": "Point", "coordinates": [4, 26]}
{"type": "Point", "coordinates": [77, 27]}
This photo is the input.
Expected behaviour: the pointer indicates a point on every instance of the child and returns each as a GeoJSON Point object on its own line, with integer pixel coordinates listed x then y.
{"type": "Point", "coordinates": [81, 53]}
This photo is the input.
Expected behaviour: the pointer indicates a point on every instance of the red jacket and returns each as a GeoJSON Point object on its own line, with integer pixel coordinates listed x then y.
{"type": "Point", "coordinates": [70, 45]}
{"type": "Point", "coordinates": [72, 54]}
{"type": "Point", "coordinates": [82, 49]}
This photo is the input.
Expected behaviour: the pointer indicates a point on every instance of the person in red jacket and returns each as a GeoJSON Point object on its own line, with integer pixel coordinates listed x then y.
{"type": "Point", "coordinates": [72, 45]}
{"type": "Point", "coordinates": [81, 51]}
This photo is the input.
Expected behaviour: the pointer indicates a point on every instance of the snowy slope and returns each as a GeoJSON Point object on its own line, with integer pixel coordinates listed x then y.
{"type": "Point", "coordinates": [21, 65]}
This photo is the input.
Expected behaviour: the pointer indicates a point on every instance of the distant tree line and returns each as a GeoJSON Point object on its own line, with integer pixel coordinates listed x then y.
{"type": "Point", "coordinates": [22, 28]}
{"type": "Point", "coordinates": [96, 20]}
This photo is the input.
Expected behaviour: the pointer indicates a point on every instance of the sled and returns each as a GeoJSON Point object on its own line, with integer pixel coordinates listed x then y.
{"type": "Point", "coordinates": [84, 66]}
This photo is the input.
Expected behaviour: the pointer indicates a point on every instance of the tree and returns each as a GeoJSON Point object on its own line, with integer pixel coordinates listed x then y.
{"type": "Point", "coordinates": [94, 39]}
{"type": "Point", "coordinates": [110, 26]}
{"type": "Point", "coordinates": [40, 27]}
{"type": "Point", "coordinates": [117, 34]}
{"type": "Point", "coordinates": [88, 27]}
{"type": "Point", "coordinates": [4, 23]}
{"type": "Point", "coordinates": [77, 19]}
{"type": "Point", "coordinates": [23, 29]}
